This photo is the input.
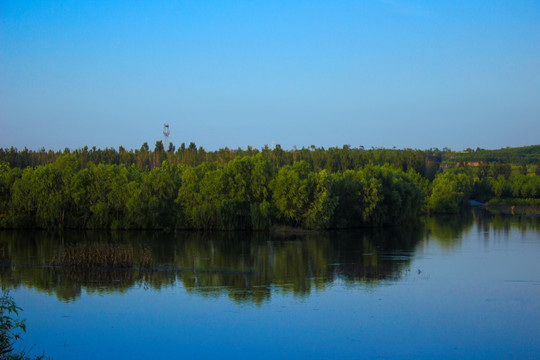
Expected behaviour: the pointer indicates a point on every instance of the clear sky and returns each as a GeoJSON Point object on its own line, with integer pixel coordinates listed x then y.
{"type": "Point", "coordinates": [379, 73]}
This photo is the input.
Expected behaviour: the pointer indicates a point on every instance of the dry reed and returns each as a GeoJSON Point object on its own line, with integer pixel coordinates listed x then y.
{"type": "Point", "coordinates": [88, 255]}
{"type": "Point", "coordinates": [103, 255]}
{"type": "Point", "coordinates": [145, 258]}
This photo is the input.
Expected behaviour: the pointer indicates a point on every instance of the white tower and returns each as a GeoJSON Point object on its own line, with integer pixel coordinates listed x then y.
{"type": "Point", "coordinates": [166, 133]}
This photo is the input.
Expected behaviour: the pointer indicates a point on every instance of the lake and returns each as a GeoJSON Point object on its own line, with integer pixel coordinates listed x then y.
{"type": "Point", "coordinates": [464, 286]}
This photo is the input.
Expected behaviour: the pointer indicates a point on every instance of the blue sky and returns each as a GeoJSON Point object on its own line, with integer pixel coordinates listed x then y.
{"type": "Point", "coordinates": [379, 73]}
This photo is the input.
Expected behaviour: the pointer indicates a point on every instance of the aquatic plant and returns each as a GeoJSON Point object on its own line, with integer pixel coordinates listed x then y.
{"type": "Point", "coordinates": [11, 326]}
{"type": "Point", "coordinates": [145, 258]}
{"type": "Point", "coordinates": [102, 255]}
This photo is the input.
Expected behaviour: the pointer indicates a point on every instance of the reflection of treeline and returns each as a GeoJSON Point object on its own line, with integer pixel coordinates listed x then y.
{"type": "Point", "coordinates": [500, 223]}
{"type": "Point", "coordinates": [245, 266]}
{"type": "Point", "coordinates": [448, 230]}
{"type": "Point", "coordinates": [244, 193]}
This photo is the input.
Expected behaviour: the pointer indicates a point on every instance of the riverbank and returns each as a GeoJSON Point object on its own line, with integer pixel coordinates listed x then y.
{"type": "Point", "coordinates": [529, 207]}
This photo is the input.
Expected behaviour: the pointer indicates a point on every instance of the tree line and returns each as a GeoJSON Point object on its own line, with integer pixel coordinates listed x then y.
{"type": "Point", "coordinates": [332, 159]}
{"type": "Point", "coordinates": [251, 191]}
{"type": "Point", "coordinates": [452, 188]}
{"type": "Point", "coordinates": [511, 155]}
{"type": "Point", "coordinates": [245, 193]}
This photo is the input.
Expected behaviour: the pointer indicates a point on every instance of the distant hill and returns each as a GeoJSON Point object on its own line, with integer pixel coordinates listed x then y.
{"type": "Point", "coordinates": [514, 155]}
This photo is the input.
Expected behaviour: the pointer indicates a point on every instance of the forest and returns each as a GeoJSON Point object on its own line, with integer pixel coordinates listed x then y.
{"type": "Point", "coordinates": [251, 189]}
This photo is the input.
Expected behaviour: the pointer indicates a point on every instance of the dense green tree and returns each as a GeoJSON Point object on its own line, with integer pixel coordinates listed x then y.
{"type": "Point", "coordinates": [40, 196]}
{"type": "Point", "coordinates": [484, 169]}
{"type": "Point", "coordinates": [291, 192]}
{"type": "Point", "coordinates": [202, 192]}
{"type": "Point", "coordinates": [357, 194]}
{"type": "Point", "coordinates": [159, 147]}
{"type": "Point", "coordinates": [322, 201]}
{"type": "Point", "coordinates": [450, 192]}
{"type": "Point", "coordinates": [500, 186]}
{"type": "Point", "coordinates": [303, 197]}
{"type": "Point", "coordinates": [523, 169]}
{"type": "Point", "coordinates": [521, 186]}
{"type": "Point", "coordinates": [400, 198]}
{"type": "Point", "coordinates": [499, 169]}
{"type": "Point", "coordinates": [482, 189]}
{"type": "Point", "coordinates": [151, 199]}
{"type": "Point", "coordinates": [8, 176]}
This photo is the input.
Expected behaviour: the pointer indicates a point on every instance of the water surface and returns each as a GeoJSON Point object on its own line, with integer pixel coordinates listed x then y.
{"type": "Point", "coordinates": [465, 286]}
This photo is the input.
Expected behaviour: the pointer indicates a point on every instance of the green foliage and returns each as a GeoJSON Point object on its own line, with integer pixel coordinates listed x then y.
{"type": "Point", "coordinates": [450, 192]}
{"type": "Point", "coordinates": [39, 196]}
{"type": "Point", "coordinates": [358, 195]}
{"type": "Point", "coordinates": [500, 186]}
{"type": "Point", "coordinates": [291, 192]}
{"type": "Point", "coordinates": [8, 176]}
{"type": "Point", "coordinates": [498, 169]}
{"type": "Point", "coordinates": [517, 186]}
{"type": "Point", "coordinates": [11, 326]}
{"type": "Point", "coordinates": [193, 189]}
{"type": "Point", "coordinates": [234, 196]}
{"type": "Point", "coordinates": [261, 215]}
{"type": "Point", "coordinates": [516, 155]}
{"type": "Point", "coordinates": [322, 203]}
{"type": "Point", "coordinates": [200, 197]}
{"type": "Point", "coordinates": [523, 169]}
{"type": "Point", "coordinates": [401, 197]}
{"type": "Point", "coordinates": [150, 200]}
{"type": "Point", "coordinates": [482, 189]}
{"type": "Point", "coordinates": [334, 159]}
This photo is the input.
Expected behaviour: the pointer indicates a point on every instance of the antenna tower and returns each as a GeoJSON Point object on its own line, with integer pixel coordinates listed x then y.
{"type": "Point", "coordinates": [166, 133]}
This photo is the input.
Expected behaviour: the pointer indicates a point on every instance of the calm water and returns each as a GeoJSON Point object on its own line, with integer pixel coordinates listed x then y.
{"type": "Point", "coordinates": [457, 287]}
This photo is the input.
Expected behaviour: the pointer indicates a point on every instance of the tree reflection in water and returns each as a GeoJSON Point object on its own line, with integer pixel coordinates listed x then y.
{"type": "Point", "coordinates": [245, 266]}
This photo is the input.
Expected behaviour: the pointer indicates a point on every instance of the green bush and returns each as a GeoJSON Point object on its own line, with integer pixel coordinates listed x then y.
{"type": "Point", "coordinates": [450, 192]}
